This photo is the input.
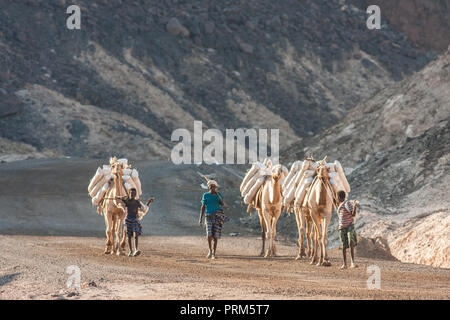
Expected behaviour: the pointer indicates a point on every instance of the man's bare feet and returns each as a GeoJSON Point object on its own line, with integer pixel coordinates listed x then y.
{"type": "Point", "coordinates": [353, 266]}
{"type": "Point", "coordinates": [209, 255]}
{"type": "Point", "coordinates": [344, 266]}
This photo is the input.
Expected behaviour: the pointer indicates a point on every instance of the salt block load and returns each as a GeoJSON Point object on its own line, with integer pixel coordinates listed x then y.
{"type": "Point", "coordinates": [255, 177]}
{"type": "Point", "coordinates": [254, 189]}
{"type": "Point", "coordinates": [284, 174]}
{"type": "Point", "coordinates": [301, 177]}
{"type": "Point", "coordinates": [100, 194]}
{"type": "Point", "coordinates": [294, 168]}
{"type": "Point", "coordinates": [250, 173]}
{"type": "Point", "coordinates": [305, 182]}
{"type": "Point", "coordinates": [301, 191]}
{"type": "Point", "coordinates": [293, 184]}
{"type": "Point", "coordinates": [300, 180]}
{"type": "Point", "coordinates": [251, 183]}
{"type": "Point", "coordinates": [137, 182]}
{"type": "Point", "coordinates": [342, 177]}
{"type": "Point", "coordinates": [102, 181]}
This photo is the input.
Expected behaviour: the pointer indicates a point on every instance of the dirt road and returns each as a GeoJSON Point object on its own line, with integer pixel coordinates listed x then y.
{"type": "Point", "coordinates": [48, 224]}
{"type": "Point", "coordinates": [34, 267]}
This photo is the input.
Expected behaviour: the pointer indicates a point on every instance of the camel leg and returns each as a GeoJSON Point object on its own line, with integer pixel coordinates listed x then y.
{"type": "Point", "coordinates": [274, 234]}
{"type": "Point", "coordinates": [262, 222]}
{"type": "Point", "coordinates": [124, 236]}
{"type": "Point", "coordinates": [321, 237]}
{"type": "Point", "coordinates": [309, 235]}
{"type": "Point", "coordinates": [109, 223]}
{"type": "Point", "coordinates": [324, 244]}
{"type": "Point", "coordinates": [269, 235]}
{"type": "Point", "coordinates": [120, 239]}
{"type": "Point", "coordinates": [298, 219]}
{"type": "Point", "coordinates": [316, 226]}
{"type": "Point", "coordinates": [115, 235]}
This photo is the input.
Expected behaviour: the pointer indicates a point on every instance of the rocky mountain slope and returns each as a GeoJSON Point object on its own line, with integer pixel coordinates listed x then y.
{"type": "Point", "coordinates": [137, 70]}
{"type": "Point", "coordinates": [395, 115]}
{"type": "Point", "coordinates": [396, 146]}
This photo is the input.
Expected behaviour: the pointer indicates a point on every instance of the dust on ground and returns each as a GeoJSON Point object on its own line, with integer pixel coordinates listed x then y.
{"type": "Point", "coordinates": [34, 267]}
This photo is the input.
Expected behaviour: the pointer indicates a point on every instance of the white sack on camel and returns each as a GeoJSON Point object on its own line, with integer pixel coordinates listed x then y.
{"type": "Point", "coordinates": [284, 174]}
{"type": "Point", "coordinates": [250, 173]}
{"type": "Point", "coordinates": [301, 191]}
{"type": "Point", "coordinates": [263, 171]}
{"type": "Point", "coordinates": [137, 181]}
{"type": "Point", "coordinates": [342, 176]}
{"type": "Point", "coordinates": [98, 175]}
{"type": "Point", "coordinates": [251, 183]}
{"type": "Point", "coordinates": [100, 184]}
{"type": "Point", "coordinates": [100, 194]}
{"type": "Point", "coordinates": [252, 192]}
{"type": "Point", "coordinates": [294, 168]}
{"type": "Point", "coordinates": [292, 183]}
{"type": "Point", "coordinates": [298, 180]}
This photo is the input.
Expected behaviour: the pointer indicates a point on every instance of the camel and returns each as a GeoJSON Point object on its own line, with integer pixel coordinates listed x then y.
{"type": "Point", "coordinates": [114, 212]}
{"type": "Point", "coordinates": [320, 200]}
{"type": "Point", "coordinates": [304, 222]}
{"type": "Point", "coordinates": [268, 203]}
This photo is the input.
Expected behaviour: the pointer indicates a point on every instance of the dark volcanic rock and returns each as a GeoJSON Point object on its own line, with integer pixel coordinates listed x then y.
{"type": "Point", "coordinates": [299, 63]}
{"type": "Point", "coordinates": [9, 104]}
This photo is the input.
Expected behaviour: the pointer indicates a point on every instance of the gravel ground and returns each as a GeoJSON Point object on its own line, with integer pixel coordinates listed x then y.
{"type": "Point", "coordinates": [34, 267]}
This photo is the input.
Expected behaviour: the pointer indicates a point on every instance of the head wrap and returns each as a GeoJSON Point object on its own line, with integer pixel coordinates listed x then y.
{"type": "Point", "coordinates": [212, 182]}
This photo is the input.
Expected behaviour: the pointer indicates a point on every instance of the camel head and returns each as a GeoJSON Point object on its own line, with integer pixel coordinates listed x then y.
{"type": "Point", "coordinates": [310, 160]}
{"type": "Point", "coordinates": [117, 171]}
{"type": "Point", "coordinates": [322, 172]}
{"type": "Point", "coordinates": [112, 160]}
{"type": "Point", "coordinates": [277, 172]}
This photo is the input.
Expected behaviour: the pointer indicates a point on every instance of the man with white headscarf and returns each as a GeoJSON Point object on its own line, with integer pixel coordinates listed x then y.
{"type": "Point", "coordinates": [212, 204]}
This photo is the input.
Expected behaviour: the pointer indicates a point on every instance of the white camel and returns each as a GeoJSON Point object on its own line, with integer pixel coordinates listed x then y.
{"type": "Point", "coordinates": [320, 203]}
{"type": "Point", "coordinates": [268, 203]}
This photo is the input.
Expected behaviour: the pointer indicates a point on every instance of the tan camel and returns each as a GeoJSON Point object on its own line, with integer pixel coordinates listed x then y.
{"type": "Point", "coordinates": [304, 223]}
{"type": "Point", "coordinates": [320, 202]}
{"type": "Point", "coordinates": [268, 203]}
{"type": "Point", "coordinates": [114, 212]}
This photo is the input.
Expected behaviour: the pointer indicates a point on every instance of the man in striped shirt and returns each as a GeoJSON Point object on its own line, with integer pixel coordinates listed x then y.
{"type": "Point", "coordinates": [346, 212]}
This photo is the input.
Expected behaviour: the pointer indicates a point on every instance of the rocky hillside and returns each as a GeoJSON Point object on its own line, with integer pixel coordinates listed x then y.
{"type": "Point", "coordinates": [396, 146]}
{"type": "Point", "coordinates": [395, 115]}
{"type": "Point", "coordinates": [139, 69]}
